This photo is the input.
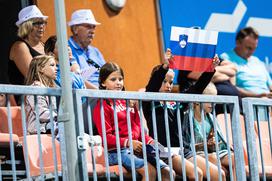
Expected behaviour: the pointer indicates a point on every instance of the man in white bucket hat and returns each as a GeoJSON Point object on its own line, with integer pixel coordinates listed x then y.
{"type": "Point", "coordinates": [89, 58]}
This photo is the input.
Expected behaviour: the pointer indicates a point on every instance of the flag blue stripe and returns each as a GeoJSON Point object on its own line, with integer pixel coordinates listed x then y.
{"type": "Point", "coordinates": [193, 49]}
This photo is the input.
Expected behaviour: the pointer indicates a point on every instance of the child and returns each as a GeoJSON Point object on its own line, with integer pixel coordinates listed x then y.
{"type": "Point", "coordinates": [162, 81]}
{"type": "Point", "coordinates": [42, 73]}
{"type": "Point", "coordinates": [50, 48]}
{"type": "Point", "coordinates": [209, 129]}
{"type": "Point", "coordinates": [111, 78]}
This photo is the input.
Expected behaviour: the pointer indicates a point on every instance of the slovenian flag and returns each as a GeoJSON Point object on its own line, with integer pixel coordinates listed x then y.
{"type": "Point", "coordinates": [193, 49]}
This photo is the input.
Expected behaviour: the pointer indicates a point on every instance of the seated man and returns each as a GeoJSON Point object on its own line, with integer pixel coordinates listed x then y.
{"type": "Point", "coordinates": [88, 57]}
{"type": "Point", "coordinates": [252, 78]}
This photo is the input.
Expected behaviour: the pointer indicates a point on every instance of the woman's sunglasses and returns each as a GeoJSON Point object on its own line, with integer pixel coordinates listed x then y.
{"type": "Point", "coordinates": [38, 23]}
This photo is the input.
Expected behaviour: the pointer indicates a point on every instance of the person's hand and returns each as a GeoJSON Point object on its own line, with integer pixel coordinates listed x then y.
{"type": "Point", "coordinates": [216, 61]}
{"type": "Point", "coordinates": [132, 103]}
{"type": "Point", "coordinates": [137, 146]}
{"type": "Point", "coordinates": [211, 141]}
{"type": "Point", "coordinates": [266, 95]}
{"type": "Point", "coordinates": [70, 54]}
{"type": "Point", "coordinates": [168, 56]}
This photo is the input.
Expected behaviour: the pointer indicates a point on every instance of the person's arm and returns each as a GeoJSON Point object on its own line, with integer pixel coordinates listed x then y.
{"type": "Point", "coordinates": [89, 85]}
{"type": "Point", "coordinates": [21, 56]}
{"type": "Point", "coordinates": [225, 71]}
{"type": "Point", "coordinates": [43, 108]}
{"type": "Point", "coordinates": [201, 84]}
{"type": "Point", "coordinates": [159, 72]}
{"type": "Point", "coordinates": [110, 130]}
{"type": "Point", "coordinates": [194, 75]}
{"type": "Point", "coordinates": [75, 68]}
{"type": "Point", "coordinates": [246, 93]}
{"type": "Point", "coordinates": [203, 80]}
{"type": "Point", "coordinates": [157, 78]}
{"type": "Point", "coordinates": [227, 67]}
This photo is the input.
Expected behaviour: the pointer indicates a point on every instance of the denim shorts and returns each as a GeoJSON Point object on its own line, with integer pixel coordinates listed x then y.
{"type": "Point", "coordinates": [126, 158]}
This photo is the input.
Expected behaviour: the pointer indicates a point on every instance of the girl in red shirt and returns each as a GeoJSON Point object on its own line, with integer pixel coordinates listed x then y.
{"type": "Point", "coordinates": [111, 77]}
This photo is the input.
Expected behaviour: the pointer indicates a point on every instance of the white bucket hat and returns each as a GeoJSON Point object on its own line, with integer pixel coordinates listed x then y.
{"type": "Point", "coordinates": [83, 16]}
{"type": "Point", "coordinates": [29, 12]}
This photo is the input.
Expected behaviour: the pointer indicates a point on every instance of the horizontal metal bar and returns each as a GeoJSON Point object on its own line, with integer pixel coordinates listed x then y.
{"type": "Point", "coordinates": [155, 96]}
{"type": "Point", "coordinates": [5, 173]}
{"type": "Point", "coordinates": [29, 90]}
{"type": "Point", "coordinates": [258, 101]}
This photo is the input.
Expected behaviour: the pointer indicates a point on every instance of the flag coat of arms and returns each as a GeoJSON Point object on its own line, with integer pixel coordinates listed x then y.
{"type": "Point", "coordinates": [193, 49]}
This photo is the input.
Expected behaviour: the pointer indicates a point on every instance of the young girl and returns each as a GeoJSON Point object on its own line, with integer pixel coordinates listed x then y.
{"type": "Point", "coordinates": [111, 77]}
{"type": "Point", "coordinates": [162, 81]}
{"type": "Point", "coordinates": [210, 134]}
{"type": "Point", "coordinates": [42, 73]}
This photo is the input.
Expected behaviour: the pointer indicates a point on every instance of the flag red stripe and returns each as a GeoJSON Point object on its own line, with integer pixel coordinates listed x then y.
{"type": "Point", "coordinates": [192, 63]}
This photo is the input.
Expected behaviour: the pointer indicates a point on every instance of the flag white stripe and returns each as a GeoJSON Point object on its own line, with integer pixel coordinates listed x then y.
{"type": "Point", "coordinates": [194, 35]}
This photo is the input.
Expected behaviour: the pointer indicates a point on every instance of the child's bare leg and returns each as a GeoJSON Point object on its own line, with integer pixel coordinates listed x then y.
{"type": "Point", "coordinates": [165, 173]}
{"type": "Point", "coordinates": [225, 164]}
{"type": "Point", "coordinates": [152, 173]}
{"type": "Point", "coordinates": [189, 167]}
{"type": "Point", "coordinates": [214, 174]}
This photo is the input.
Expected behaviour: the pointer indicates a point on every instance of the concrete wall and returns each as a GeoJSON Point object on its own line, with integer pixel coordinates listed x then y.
{"type": "Point", "coordinates": [129, 38]}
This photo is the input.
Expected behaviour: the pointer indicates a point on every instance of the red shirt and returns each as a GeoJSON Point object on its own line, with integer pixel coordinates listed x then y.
{"type": "Point", "coordinates": [122, 123]}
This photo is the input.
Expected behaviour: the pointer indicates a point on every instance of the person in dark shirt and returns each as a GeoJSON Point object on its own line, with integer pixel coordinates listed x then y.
{"type": "Point", "coordinates": [162, 81]}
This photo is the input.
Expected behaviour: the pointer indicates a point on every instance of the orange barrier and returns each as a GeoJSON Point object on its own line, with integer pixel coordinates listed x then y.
{"type": "Point", "coordinates": [4, 139]}
{"type": "Point", "coordinates": [47, 154]}
{"type": "Point", "coordinates": [16, 119]}
{"type": "Point", "coordinates": [48, 161]}
{"type": "Point", "coordinates": [266, 149]}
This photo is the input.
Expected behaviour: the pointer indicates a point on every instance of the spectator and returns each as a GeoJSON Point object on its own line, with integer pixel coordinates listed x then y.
{"type": "Point", "coordinates": [42, 73]}
{"type": "Point", "coordinates": [222, 79]}
{"type": "Point", "coordinates": [50, 48]}
{"type": "Point", "coordinates": [198, 125]}
{"type": "Point", "coordinates": [162, 81]}
{"type": "Point", "coordinates": [252, 79]}
{"type": "Point", "coordinates": [31, 27]}
{"type": "Point", "coordinates": [89, 58]}
{"type": "Point", "coordinates": [111, 77]}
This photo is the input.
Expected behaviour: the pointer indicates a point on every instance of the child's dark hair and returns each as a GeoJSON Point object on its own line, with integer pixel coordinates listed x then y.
{"type": "Point", "coordinates": [106, 70]}
{"type": "Point", "coordinates": [50, 44]}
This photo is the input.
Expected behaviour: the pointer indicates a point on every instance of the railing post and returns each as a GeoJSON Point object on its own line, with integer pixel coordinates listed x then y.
{"type": "Point", "coordinates": [251, 141]}
{"type": "Point", "coordinates": [237, 143]}
{"type": "Point", "coordinates": [68, 117]}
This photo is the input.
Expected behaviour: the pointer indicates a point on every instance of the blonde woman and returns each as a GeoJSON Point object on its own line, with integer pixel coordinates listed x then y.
{"type": "Point", "coordinates": [31, 27]}
{"type": "Point", "coordinates": [42, 73]}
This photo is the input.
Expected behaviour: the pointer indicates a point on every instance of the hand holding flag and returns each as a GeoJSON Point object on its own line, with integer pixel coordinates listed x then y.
{"type": "Point", "coordinates": [216, 61]}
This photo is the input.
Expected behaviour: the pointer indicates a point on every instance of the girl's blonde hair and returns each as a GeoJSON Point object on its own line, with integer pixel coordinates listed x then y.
{"type": "Point", "coordinates": [26, 27]}
{"type": "Point", "coordinates": [35, 71]}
